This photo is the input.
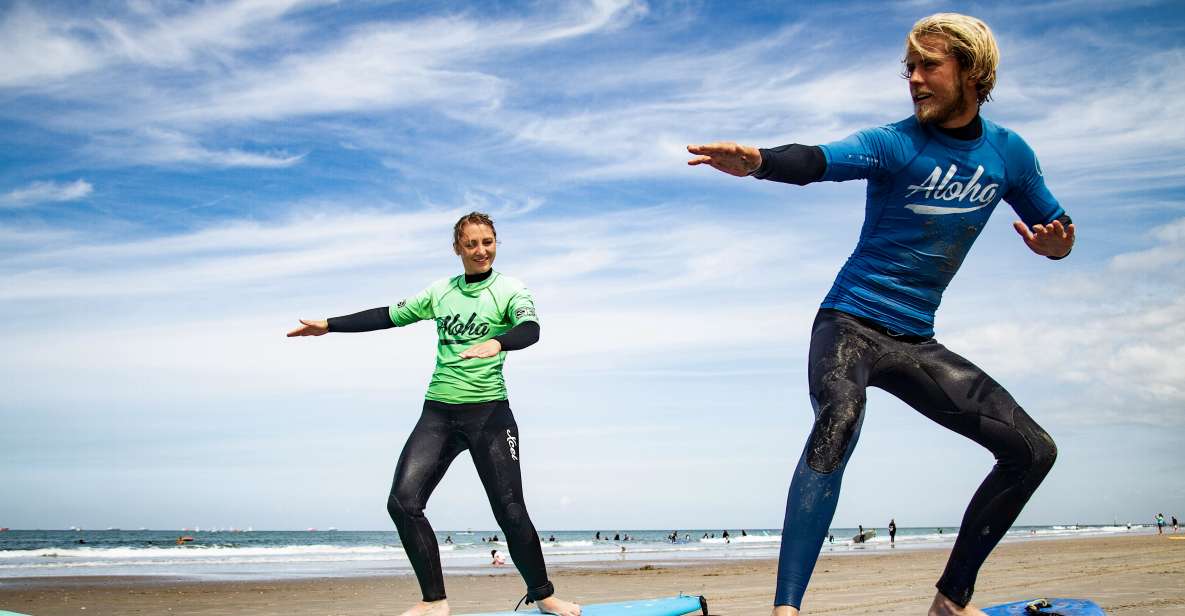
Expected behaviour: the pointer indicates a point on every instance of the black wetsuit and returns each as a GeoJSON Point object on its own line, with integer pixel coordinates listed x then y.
{"type": "Point", "coordinates": [488, 431]}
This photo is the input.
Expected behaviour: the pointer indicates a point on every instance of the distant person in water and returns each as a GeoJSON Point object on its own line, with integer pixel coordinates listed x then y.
{"type": "Point", "coordinates": [480, 315]}
{"type": "Point", "coordinates": [496, 559]}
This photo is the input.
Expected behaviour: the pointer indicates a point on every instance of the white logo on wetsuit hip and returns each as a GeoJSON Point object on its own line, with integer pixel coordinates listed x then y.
{"type": "Point", "coordinates": [512, 442]}
{"type": "Point", "coordinates": [939, 186]}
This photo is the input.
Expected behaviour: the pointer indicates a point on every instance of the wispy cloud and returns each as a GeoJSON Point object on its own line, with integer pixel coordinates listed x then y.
{"type": "Point", "coordinates": [45, 47]}
{"type": "Point", "coordinates": [154, 146]}
{"type": "Point", "coordinates": [46, 192]}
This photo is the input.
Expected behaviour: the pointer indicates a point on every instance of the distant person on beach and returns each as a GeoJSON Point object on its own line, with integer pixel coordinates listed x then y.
{"type": "Point", "coordinates": [933, 181]}
{"type": "Point", "coordinates": [496, 559]}
{"type": "Point", "coordinates": [1160, 523]}
{"type": "Point", "coordinates": [479, 315]}
{"type": "Point", "coordinates": [1175, 525]}
{"type": "Point", "coordinates": [893, 532]}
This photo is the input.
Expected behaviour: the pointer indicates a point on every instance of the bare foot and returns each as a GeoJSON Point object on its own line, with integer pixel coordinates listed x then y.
{"type": "Point", "coordinates": [552, 605]}
{"type": "Point", "coordinates": [428, 608]}
{"type": "Point", "coordinates": [945, 607]}
{"type": "Point", "coordinates": [785, 610]}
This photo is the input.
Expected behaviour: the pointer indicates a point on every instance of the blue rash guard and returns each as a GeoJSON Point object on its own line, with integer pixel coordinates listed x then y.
{"type": "Point", "coordinates": [929, 196]}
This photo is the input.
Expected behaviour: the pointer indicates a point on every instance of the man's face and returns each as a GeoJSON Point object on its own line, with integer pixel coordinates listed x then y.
{"type": "Point", "coordinates": [477, 247]}
{"type": "Point", "coordinates": [939, 89]}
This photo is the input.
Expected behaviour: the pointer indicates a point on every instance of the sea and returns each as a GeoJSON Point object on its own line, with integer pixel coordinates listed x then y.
{"type": "Point", "coordinates": [221, 555]}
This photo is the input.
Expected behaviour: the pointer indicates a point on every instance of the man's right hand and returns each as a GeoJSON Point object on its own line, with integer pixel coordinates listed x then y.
{"type": "Point", "coordinates": [731, 158]}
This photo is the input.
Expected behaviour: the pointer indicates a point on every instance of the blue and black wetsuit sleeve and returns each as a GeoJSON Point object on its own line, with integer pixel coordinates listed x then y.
{"type": "Point", "coordinates": [792, 164]}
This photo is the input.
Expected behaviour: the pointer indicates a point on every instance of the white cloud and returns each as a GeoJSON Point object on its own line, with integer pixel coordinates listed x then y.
{"type": "Point", "coordinates": [46, 192]}
{"type": "Point", "coordinates": [43, 48]}
{"type": "Point", "coordinates": [165, 147]}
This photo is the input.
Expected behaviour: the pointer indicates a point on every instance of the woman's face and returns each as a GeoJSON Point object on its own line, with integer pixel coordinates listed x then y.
{"type": "Point", "coordinates": [476, 247]}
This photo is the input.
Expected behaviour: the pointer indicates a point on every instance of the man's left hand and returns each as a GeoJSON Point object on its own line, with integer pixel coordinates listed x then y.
{"type": "Point", "coordinates": [1051, 240]}
{"type": "Point", "coordinates": [489, 348]}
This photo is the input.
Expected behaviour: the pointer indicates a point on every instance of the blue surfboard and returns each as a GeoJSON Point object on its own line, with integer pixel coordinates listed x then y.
{"type": "Point", "coordinates": [1048, 607]}
{"type": "Point", "coordinates": [670, 606]}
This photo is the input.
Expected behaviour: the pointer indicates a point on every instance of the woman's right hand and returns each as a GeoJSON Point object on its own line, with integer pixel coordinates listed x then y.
{"type": "Point", "coordinates": [310, 328]}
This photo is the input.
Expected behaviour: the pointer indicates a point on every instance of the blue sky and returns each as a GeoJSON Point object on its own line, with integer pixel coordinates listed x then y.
{"type": "Point", "coordinates": [179, 182]}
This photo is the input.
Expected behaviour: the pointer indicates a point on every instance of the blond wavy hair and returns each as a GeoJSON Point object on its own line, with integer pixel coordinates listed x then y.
{"type": "Point", "coordinates": [968, 39]}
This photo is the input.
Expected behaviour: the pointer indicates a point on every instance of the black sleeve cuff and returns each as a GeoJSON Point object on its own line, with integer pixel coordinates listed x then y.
{"type": "Point", "coordinates": [793, 164]}
{"type": "Point", "coordinates": [520, 336]}
{"type": "Point", "coordinates": [365, 321]}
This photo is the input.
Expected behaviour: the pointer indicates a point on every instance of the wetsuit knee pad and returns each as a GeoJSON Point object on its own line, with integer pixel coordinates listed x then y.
{"type": "Point", "coordinates": [515, 514]}
{"type": "Point", "coordinates": [837, 422]}
{"type": "Point", "coordinates": [403, 506]}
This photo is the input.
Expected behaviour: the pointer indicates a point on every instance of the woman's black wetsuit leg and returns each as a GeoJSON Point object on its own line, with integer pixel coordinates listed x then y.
{"type": "Point", "coordinates": [496, 449]}
{"type": "Point", "coordinates": [958, 395]}
{"type": "Point", "coordinates": [489, 432]}
{"type": "Point", "coordinates": [431, 447]}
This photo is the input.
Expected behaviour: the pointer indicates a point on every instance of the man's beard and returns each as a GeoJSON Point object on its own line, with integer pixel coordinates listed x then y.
{"type": "Point", "coordinates": [939, 115]}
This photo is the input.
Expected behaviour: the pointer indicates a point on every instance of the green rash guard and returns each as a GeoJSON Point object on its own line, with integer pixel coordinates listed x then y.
{"type": "Point", "coordinates": [465, 315]}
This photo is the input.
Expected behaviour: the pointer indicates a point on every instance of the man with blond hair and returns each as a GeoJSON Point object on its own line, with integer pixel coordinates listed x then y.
{"type": "Point", "coordinates": [933, 181]}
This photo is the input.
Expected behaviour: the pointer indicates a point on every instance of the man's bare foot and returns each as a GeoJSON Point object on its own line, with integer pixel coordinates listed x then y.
{"type": "Point", "coordinates": [428, 608]}
{"type": "Point", "coordinates": [552, 605]}
{"type": "Point", "coordinates": [785, 610]}
{"type": "Point", "coordinates": [945, 607]}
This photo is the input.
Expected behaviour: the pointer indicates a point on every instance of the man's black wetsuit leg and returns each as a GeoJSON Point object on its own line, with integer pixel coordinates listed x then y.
{"type": "Point", "coordinates": [495, 446]}
{"type": "Point", "coordinates": [841, 356]}
{"type": "Point", "coordinates": [431, 447]}
{"type": "Point", "coordinates": [958, 395]}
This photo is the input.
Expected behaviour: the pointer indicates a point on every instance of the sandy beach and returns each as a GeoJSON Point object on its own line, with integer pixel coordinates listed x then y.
{"type": "Point", "coordinates": [1126, 575]}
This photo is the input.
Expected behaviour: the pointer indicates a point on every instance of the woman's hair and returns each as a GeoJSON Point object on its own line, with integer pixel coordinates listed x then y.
{"type": "Point", "coordinates": [472, 218]}
{"type": "Point", "coordinates": [968, 39]}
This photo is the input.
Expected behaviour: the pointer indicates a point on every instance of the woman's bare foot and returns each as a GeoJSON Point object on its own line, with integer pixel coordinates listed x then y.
{"type": "Point", "coordinates": [785, 610]}
{"type": "Point", "coordinates": [428, 608]}
{"type": "Point", "coordinates": [945, 607]}
{"type": "Point", "coordinates": [552, 605]}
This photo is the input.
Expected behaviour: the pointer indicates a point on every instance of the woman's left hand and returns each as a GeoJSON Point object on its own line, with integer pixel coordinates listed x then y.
{"type": "Point", "coordinates": [489, 348]}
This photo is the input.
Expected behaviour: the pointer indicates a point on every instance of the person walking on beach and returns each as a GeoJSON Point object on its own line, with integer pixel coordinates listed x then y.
{"type": "Point", "coordinates": [480, 316]}
{"type": "Point", "coordinates": [933, 181]}
{"type": "Point", "coordinates": [1160, 523]}
{"type": "Point", "coordinates": [892, 532]}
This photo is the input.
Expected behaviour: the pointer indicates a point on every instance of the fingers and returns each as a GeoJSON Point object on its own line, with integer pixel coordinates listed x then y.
{"type": "Point", "coordinates": [1023, 230]}
{"type": "Point", "coordinates": [716, 147]}
{"type": "Point", "coordinates": [309, 328]}
{"type": "Point", "coordinates": [700, 160]}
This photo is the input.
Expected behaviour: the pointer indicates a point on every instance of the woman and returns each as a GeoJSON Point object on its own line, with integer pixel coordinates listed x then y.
{"type": "Point", "coordinates": [479, 317]}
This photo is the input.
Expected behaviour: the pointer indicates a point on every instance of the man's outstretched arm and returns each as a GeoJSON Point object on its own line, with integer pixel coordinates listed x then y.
{"type": "Point", "coordinates": [793, 163]}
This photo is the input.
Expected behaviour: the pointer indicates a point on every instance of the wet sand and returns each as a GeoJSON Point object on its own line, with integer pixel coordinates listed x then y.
{"type": "Point", "coordinates": [1126, 575]}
